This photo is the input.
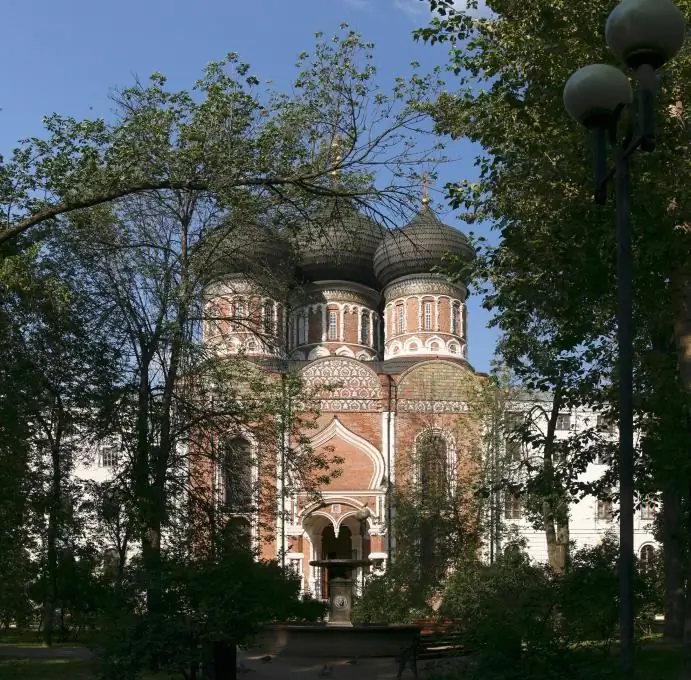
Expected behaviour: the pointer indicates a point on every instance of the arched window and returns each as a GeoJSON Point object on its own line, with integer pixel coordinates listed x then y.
{"type": "Point", "coordinates": [236, 467]}
{"type": "Point", "coordinates": [364, 328]}
{"type": "Point", "coordinates": [302, 335]}
{"type": "Point", "coordinates": [647, 557]}
{"type": "Point", "coordinates": [456, 319]}
{"type": "Point", "coordinates": [434, 487]}
{"type": "Point", "coordinates": [333, 325]}
{"type": "Point", "coordinates": [432, 464]}
{"type": "Point", "coordinates": [400, 319]}
{"type": "Point", "coordinates": [427, 316]}
{"type": "Point", "coordinates": [268, 317]}
{"type": "Point", "coordinates": [239, 314]}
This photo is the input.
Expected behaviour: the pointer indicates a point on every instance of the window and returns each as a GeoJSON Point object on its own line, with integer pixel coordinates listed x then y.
{"type": "Point", "coordinates": [512, 422]}
{"type": "Point", "coordinates": [268, 317]}
{"type": "Point", "coordinates": [647, 557]}
{"type": "Point", "coordinates": [427, 310]}
{"type": "Point", "coordinates": [111, 562]}
{"type": "Point", "coordinates": [432, 453]}
{"type": "Point", "coordinates": [564, 421]}
{"type": "Point", "coordinates": [606, 424]}
{"type": "Point", "coordinates": [238, 534]}
{"type": "Point", "coordinates": [400, 319]}
{"type": "Point", "coordinates": [108, 456]}
{"type": "Point", "coordinates": [513, 508]}
{"type": "Point", "coordinates": [364, 328]}
{"type": "Point", "coordinates": [333, 325]}
{"type": "Point", "coordinates": [604, 509]}
{"type": "Point", "coordinates": [236, 462]}
{"type": "Point", "coordinates": [456, 319]}
{"type": "Point", "coordinates": [302, 334]}
{"type": "Point", "coordinates": [239, 312]}
{"type": "Point", "coordinates": [647, 510]}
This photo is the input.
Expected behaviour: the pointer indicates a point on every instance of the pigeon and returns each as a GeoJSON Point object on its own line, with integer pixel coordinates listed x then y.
{"type": "Point", "coordinates": [355, 661]}
{"type": "Point", "coordinates": [326, 672]}
{"type": "Point", "coordinates": [266, 659]}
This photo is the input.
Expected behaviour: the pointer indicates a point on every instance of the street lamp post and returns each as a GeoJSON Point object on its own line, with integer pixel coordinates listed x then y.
{"type": "Point", "coordinates": [644, 35]}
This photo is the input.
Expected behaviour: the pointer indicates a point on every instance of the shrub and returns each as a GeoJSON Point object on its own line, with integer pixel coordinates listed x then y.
{"type": "Point", "coordinates": [202, 602]}
{"type": "Point", "coordinates": [392, 597]}
{"type": "Point", "coordinates": [504, 610]}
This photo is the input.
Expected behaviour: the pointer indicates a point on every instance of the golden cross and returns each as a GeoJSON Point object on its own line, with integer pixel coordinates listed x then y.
{"type": "Point", "coordinates": [336, 148]}
{"type": "Point", "coordinates": [425, 188]}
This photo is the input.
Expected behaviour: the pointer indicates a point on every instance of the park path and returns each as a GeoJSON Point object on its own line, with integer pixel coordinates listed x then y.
{"type": "Point", "coordinates": [36, 652]}
{"type": "Point", "coordinates": [365, 669]}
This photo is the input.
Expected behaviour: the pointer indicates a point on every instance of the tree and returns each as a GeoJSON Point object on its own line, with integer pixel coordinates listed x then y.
{"type": "Point", "coordinates": [557, 255]}
{"type": "Point", "coordinates": [229, 136]}
{"type": "Point", "coordinates": [148, 258]}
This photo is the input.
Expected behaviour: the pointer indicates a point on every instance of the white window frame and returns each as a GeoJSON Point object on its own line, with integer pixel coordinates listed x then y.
{"type": "Point", "coordinates": [332, 329]}
{"type": "Point", "coordinates": [427, 315]}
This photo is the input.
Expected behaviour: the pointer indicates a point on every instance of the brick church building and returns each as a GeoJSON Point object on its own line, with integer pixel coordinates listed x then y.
{"type": "Point", "coordinates": [388, 336]}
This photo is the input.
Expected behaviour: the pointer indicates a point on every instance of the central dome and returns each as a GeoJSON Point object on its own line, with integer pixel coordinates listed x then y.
{"type": "Point", "coordinates": [339, 244]}
{"type": "Point", "coordinates": [419, 247]}
{"type": "Point", "coordinates": [251, 249]}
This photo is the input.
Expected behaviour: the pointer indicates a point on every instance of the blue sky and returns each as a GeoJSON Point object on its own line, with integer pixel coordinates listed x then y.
{"type": "Point", "coordinates": [65, 56]}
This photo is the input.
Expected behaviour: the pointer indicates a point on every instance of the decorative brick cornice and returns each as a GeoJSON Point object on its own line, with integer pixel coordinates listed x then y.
{"type": "Point", "coordinates": [424, 284]}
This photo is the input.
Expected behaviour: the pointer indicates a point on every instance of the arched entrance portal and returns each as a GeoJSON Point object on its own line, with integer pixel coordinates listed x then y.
{"type": "Point", "coordinates": [335, 547]}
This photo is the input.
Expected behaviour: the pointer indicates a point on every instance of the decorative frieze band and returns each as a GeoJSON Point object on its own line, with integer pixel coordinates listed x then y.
{"type": "Point", "coordinates": [425, 285]}
{"type": "Point", "coordinates": [424, 406]}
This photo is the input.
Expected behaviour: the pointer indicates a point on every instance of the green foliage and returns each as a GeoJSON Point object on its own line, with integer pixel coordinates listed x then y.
{"type": "Point", "coordinates": [226, 600]}
{"type": "Point", "coordinates": [504, 610]}
{"type": "Point", "coordinates": [393, 597]}
{"type": "Point", "coordinates": [231, 135]}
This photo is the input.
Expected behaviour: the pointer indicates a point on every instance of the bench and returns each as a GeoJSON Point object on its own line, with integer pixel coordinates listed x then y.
{"type": "Point", "coordinates": [434, 642]}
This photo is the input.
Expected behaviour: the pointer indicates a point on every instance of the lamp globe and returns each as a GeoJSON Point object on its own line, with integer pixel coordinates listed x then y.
{"type": "Point", "coordinates": [642, 32]}
{"type": "Point", "coordinates": [594, 93]}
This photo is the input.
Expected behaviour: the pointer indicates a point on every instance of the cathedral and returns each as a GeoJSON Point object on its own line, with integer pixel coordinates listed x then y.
{"type": "Point", "coordinates": [388, 336]}
{"type": "Point", "coordinates": [380, 334]}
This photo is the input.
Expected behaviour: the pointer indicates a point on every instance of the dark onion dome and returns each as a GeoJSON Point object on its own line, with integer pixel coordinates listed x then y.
{"type": "Point", "coordinates": [339, 244]}
{"type": "Point", "coordinates": [419, 247]}
{"type": "Point", "coordinates": [252, 249]}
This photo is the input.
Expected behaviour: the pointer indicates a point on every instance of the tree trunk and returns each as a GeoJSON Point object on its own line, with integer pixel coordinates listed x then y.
{"type": "Point", "coordinates": [150, 531]}
{"type": "Point", "coordinates": [673, 546]}
{"type": "Point", "coordinates": [51, 547]}
{"type": "Point", "coordinates": [555, 519]}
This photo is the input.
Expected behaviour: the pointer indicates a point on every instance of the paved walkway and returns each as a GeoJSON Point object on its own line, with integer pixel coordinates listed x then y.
{"type": "Point", "coordinates": [254, 668]}
{"type": "Point", "coordinates": [37, 652]}
{"type": "Point", "coordinates": [338, 669]}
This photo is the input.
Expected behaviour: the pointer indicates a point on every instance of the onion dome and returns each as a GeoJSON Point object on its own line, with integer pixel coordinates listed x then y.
{"type": "Point", "coordinates": [339, 244]}
{"type": "Point", "coordinates": [254, 250]}
{"type": "Point", "coordinates": [419, 247]}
